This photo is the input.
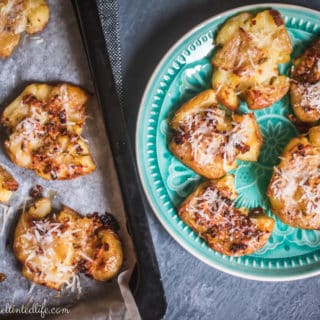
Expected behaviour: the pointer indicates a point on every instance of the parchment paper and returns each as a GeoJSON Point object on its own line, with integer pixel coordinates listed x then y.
{"type": "Point", "coordinates": [56, 55]}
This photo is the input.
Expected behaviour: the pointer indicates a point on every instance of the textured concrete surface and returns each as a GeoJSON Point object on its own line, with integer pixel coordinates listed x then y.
{"type": "Point", "coordinates": [194, 290]}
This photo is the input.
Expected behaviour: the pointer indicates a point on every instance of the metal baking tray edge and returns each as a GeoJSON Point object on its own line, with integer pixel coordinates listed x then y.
{"type": "Point", "coordinates": [146, 281]}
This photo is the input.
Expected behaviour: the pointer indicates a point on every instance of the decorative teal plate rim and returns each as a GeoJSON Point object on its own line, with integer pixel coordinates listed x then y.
{"type": "Point", "coordinates": [186, 242]}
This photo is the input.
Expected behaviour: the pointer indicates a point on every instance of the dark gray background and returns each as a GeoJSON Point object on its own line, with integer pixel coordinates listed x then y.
{"type": "Point", "coordinates": [194, 290]}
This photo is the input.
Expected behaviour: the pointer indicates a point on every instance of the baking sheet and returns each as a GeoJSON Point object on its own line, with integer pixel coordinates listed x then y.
{"type": "Point", "coordinates": [57, 55]}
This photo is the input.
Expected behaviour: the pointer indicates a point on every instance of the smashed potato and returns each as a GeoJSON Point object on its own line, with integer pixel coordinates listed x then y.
{"type": "Point", "coordinates": [294, 190]}
{"type": "Point", "coordinates": [45, 124]}
{"type": "Point", "coordinates": [232, 231]}
{"type": "Point", "coordinates": [17, 16]}
{"type": "Point", "coordinates": [305, 84]}
{"type": "Point", "coordinates": [209, 140]}
{"type": "Point", "coordinates": [7, 185]}
{"type": "Point", "coordinates": [54, 248]}
{"type": "Point", "coordinates": [246, 65]}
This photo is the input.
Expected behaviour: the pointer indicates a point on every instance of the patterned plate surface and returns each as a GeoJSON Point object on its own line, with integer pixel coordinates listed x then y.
{"type": "Point", "coordinates": [185, 70]}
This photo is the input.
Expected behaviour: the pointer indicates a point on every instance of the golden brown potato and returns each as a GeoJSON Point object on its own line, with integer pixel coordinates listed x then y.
{"type": "Point", "coordinates": [54, 248]}
{"type": "Point", "coordinates": [268, 30]}
{"type": "Point", "coordinates": [246, 65]}
{"type": "Point", "coordinates": [209, 140]}
{"type": "Point", "coordinates": [265, 94]}
{"type": "Point", "coordinates": [294, 190]}
{"type": "Point", "coordinates": [232, 231]}
{"type": "Point", "coordinates": [7, 185]}
{"type": "Point", "coordinates": [231, 27]}
{"type": "Point", "coordinates": [37, 15]}
{"type": "Point", "coordinates": [45, 123]}
{"type": "Point", "coordinates": [239, 55]}
{"type": "Point", "coordinates": [107, 256]}
{"type": "Point", "coordinates": [305, 84]}
{"type": "Point", "coordinates": [17, 16]}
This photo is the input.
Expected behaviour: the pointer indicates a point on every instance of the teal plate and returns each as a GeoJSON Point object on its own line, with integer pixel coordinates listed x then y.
{"type": "Point", "coordinates": [185, 70]}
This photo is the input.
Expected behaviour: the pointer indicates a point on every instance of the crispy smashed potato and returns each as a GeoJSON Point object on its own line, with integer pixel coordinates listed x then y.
{"type": "Point", "coordinates": [7, 185]}
{"type": "Point", "coordinates": [294, 190]}
{"type": "Point", "coordinates": [246, 65]}
{"type": "Point", "coordinates": [305, 84]}
{"type": "Point", "coordinates": [45, 124]}
{"type": "Point", "coordinates": [232, 231]}
{"type": "Point", "coordinates": [209, 140]}
{"type": "Point", "coordinates": [17, 16]}
{"type": "Point", "coordinates": [54, 248]}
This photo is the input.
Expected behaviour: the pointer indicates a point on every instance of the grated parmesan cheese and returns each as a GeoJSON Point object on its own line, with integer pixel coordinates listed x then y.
{"type": "Point", "coordinates": [298, 173]}
{"type": "Point", "coordinates": [12, 17]}
{"type": "Point", "coordinates": [4, 216]}
{"type": "Point", "coordinates": [207, 142]}
{"type": "Point", "coordinates": [74, 284]}
{"type": "Point", "coordinates": [207, 204]}
{"type": "Point", "coordinates": [39, 242]}
{"type": "Point", "coordinates": [212, 211]}
{"type": "Point", "coordinates": [310, 96]}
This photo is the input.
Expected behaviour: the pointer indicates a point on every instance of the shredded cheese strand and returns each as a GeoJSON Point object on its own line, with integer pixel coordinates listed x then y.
{"type": "Point", "coordinates": [4, 216]}
{"type": "Point", "coordinates": [207, 142]}
{"type": "Point", "coordinates": [298, 173]}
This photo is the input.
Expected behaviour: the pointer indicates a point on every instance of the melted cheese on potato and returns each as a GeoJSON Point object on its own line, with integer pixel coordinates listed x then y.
{"type": "Point", "coordinates": [305, 84]}
{"type": "Point", "coordinates": [17, 16]}
{"type": "Point", "coordinates": [55, 248]}
{"type": "Point", "coordinates": [294, 190]}
{"type": "Point", "coordinates": [208, 139]}
{"type": "Point", "coordinates": [246, 65]}
{"type": "Point", "coordinates": [210, 211]}
{"type": "Point", "coordinates": [45, 124]}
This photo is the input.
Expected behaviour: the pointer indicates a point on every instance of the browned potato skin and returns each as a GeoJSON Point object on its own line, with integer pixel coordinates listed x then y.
{"type": "Point", "coordinates": [305, 67]}
{"type": "Point", "coordinates": [305, 73]}
{"type": "Point", "coordinates": [251, 48]}
{"type": "Point", "coordinates": [103, 245]}
{"type": "Point", "coordinates": [97, 241]}
{"type": "Point", "coordinates": [8, 42]}
{"type": "Point", "coordinates": [26, 15]}
{"type": "Point", "coordinates": [61, 136]}
{"type": "Point", "coordinates": [216, 169]}
{"type": "Point", "coordinates": [7, 185]}
{"type": "Point", "coordinates": [107, 263]}
{"type": "Point", "coordinates": [263, 96]}
{"type": "Point", "coordinates": [311, 146]}
{"type": "Point", "coordinates": [255, 141]}
{"type": "Point", "coordinates": [220, 242]}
